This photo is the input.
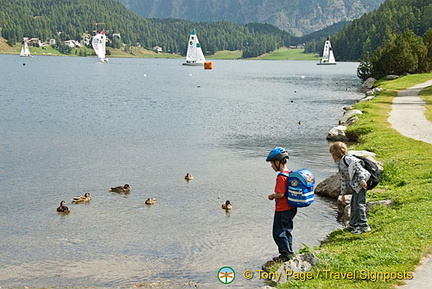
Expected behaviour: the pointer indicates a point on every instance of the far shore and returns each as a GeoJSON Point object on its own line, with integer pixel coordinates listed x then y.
{"type": "Point", "coordinates": [282, 53]}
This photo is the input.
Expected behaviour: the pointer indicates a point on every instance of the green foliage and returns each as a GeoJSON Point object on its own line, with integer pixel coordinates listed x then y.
{"type": "Point", "coordinates": [404, 53]}
{"type": "Point", "coordinates": [64, 20]}
{"type": "Point", "coordinates": [366, 34]}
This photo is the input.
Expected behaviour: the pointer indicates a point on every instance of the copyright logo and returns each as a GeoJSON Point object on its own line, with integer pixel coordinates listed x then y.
{"type": "Point", "coordinates": [248, 274]}
{"type": "Point", "coordinates": [226, 275]}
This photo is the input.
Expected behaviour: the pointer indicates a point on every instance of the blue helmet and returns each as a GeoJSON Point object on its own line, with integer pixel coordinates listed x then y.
{"type": "Point", "coordinates": [277, 154]}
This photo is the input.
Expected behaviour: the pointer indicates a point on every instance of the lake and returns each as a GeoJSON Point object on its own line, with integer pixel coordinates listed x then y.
{"type": "Point", "coordinates": [73, 125]}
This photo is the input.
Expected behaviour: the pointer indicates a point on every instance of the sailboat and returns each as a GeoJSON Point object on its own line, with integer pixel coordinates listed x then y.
{"type": "Point", "coordinates": [98, 43]}
{"type": "Point", "coordinates": [328, 56]}
{"type": "Point", "coordinates": [25, 52]}
{"type": "Point", "coordinates": [194, 55]}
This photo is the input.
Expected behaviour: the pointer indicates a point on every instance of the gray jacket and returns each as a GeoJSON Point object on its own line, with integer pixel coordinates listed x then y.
{"type": "Point", "coordinates": [352, 175]}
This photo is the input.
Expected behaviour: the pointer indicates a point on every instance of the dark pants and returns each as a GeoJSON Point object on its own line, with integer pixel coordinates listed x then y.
{"type": "Point", "coordinates": [358, 209]}
{"type": "Point", "coordinates": [282, 227]}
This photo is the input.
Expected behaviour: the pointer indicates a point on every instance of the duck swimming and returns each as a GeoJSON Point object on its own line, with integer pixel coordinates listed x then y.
{"type": "Point", "coordinates": [150, 201]}
{"type": "Point", "coordinates": [227, 205]}
{"type": "Point", "coordinates": [188, 177]}
{"type": "Point", "coordinates": [120, 189]}
{"type": "Point", "coordinates": [82, 199]}
{"type": "Point", "coordinates": [63, 208]}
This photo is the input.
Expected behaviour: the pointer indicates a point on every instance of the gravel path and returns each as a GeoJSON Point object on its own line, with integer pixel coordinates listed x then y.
{"type": "Point", "coordinates": [407, 114]}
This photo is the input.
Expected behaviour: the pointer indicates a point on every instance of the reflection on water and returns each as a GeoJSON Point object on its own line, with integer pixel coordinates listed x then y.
{"type": "Point", "coordinates": [74, 125]}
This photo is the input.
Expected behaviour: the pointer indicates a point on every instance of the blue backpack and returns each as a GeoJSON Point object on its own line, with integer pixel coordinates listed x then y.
{"type": "Point", "coordinates": [300, 190]}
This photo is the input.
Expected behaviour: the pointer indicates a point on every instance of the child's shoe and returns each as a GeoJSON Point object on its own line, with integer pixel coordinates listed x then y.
{"type": "Point", "coordinates": [349, 228]}
{"type": "Point", "coordinates": [361, 230]}
{"type": "Point", "coordinates": [281, 259]}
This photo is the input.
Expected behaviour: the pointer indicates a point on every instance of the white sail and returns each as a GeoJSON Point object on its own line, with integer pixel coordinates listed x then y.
{"type": "Point", "coordinates": [328, 55]}
{"type": "Point", "coordinates": [25, 51]}
{"type": "Point", "coordinates": [194, 55]}
{"type": "Point", "coordinates": [99, 43]}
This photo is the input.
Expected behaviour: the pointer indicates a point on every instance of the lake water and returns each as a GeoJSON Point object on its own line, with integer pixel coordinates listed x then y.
{"type": "Point", "coordinates": [73, 125]}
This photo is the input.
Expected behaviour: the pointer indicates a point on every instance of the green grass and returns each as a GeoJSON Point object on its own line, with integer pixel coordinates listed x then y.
{"type": "Point", "coordinates": [226, 54]}
{"type": "Point", "coordinates": [284, 53]}
{"type": "Point", "coordinates": [401, 234]}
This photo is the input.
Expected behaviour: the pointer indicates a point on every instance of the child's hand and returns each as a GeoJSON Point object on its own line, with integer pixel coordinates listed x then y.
{"type": "Point", "coordinates": [343, 201]}
{"type": "Point", "coordinates": [271, 197]}
{"type": "Point", "coordinates": [364, 185]}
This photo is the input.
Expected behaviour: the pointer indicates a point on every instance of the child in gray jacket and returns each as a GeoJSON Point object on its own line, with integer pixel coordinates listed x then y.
{"type": "Point", "coordinates": [353, 179]}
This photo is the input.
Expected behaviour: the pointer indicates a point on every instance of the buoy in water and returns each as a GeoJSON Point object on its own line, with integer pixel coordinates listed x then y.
{"type": "Point", "coordinates": [208, 65]}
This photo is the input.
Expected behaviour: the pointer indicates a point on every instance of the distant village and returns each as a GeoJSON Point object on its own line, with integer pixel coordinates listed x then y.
{"type": "Point", "coordinates": [85, 41]}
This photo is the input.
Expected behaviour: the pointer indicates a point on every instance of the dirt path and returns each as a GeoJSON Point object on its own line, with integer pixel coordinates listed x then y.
{"type": "Point", "coordinates": [407, 114]}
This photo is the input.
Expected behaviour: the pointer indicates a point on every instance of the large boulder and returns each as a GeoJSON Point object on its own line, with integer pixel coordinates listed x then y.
{"type": "Point", "coordinates": [292, 268]}
{"type": "Point", "coordinates": [337, 134]}
{"type": "Point", "coordinates": [344, 120]}
{"type": "Point", "coordinates": [330, 187]}
{"type": "Point", "coordinates": [368, 83]}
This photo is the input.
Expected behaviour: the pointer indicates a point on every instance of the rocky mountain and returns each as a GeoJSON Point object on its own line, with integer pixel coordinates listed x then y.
{"type": "Point", "coordinates": [298, 17]}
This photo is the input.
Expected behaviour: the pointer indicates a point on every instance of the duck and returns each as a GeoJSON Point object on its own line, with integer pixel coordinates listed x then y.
{"type": "Point", "coordinates": [188, 177]}
{"type": "Point", "coordinates": [150, 201]}
{"type": "Point", "coordinates": [82, 199]}
{"type": "Point", "coordinates": [63, 208]}
{"type": "Point", "coordinates": [227, 205]}
{"type": "Point", "coordinates": [120, 189]}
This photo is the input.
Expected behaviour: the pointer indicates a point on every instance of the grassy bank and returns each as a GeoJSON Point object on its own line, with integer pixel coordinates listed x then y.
{"type": "Point", "coordinates": [401, 234]}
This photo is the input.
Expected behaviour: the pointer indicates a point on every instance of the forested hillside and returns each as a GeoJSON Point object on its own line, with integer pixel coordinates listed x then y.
{"type": "Point", "coordinates": [298, 17]}
{"type": "Point", "coordinates": [64, 20]}
{"type": "Point", "coordinates": [364, 35]}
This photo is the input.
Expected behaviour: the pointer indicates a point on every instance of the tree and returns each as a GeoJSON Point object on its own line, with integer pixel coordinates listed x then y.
{"type": "Point", "coordinates": [401, 54]}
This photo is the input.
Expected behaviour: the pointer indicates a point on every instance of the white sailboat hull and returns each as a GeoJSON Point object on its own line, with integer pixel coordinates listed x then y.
{"type": "Point", "coordinates": [193, 64]}
{"type": "Point", "coordinates": [326, 63]}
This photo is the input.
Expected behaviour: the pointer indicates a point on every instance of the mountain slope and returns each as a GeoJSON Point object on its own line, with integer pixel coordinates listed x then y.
{"type": "Point", "coordinates": [295, 16]}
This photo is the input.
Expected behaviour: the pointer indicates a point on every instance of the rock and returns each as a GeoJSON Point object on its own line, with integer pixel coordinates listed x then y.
{"type": "Point", "coordinates": [349, 114]}
{"type": "Point", "coordinates": [299, 263]}
{"type": "Point", "coordinates": [391, 77]}
{"type": "Point", "coordinates": [369, 155]}
{"type": "Point", "coordinates": [344, 211]}
{"type": "Point", "coordinates": [368, 83]}
{"type": "Point", "coordinates": [330, 187]}
{"type": "Point", "coordinates": [373, 91]}
{"type": "Point", "coordinates": [349, 107]}
{"type": "Point", "coordinates": [379, 203]}
{"type": "Point", "coordinates": [366, 154]}
{"type": "Point", "coordinates": [352, 120]}
{"type": "Point", "coordinates": [370, 97]}
{"type": "Point", "coordinates": [337, 134]}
